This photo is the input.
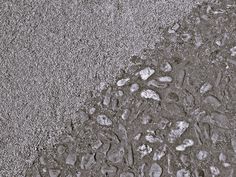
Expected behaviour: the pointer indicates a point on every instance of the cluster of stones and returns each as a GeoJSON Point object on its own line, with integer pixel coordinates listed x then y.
{"type": "Point", "coordinates": [172, 114]}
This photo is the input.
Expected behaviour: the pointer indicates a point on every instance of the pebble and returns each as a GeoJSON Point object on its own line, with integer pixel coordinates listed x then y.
{"type": "Point", "coordinates": [155, 170]}
{"type": "Point", "coordinates": [186, 143]}
{"type": "Point", "coordinates": [154, 83]}
{"type": "Point", "coordinates": [233, 51]}
{"type": "Point", "coordinates": [183, 173]}
{"type": "Point", "coordinates": [213, 101]}
{"type": "Point", "coordinates": [179, 129]}
{"type": "Point", "coordinates": [126, 114]}
{"type": "Point", "coordinates": [146, 73]}
{"type": "Point", "coordinates": [122, 82]}
{"type": "Point", "coordinates": [104, 120]}
{"type": "Point", "coordinates": [54, 172]}
{"type": "Point", "coordinates": [150, 94]}
{"type": "Point", "coordinates": [134, 87]}
{"type": "Point", "coordinates": [205, 88]}
{"type": "Point", "coordinates": [214, 170]}
{"type": "Point", "coordinates": [152, 138]}
{"type": "Point", "coordinates": [83, 116]}
{"type": "Point", "coordinates": [107, 97]}
{"type": "Point", "coordinates": [87, 161]}
{"type": "Point", "coordinates": [165, 79]}
{"type": "Point", "coordinates": [160, 152]}
{"type": "Point", "coordinates": [144, 150]}
{"type": "Point", "coordinates": [174, 28]}
{"type": "Point", "coordinates": [202, 155]}
{"type": "Point", "coordinates": [166, 67]}
{"type": "Point", "coordinates": [96, 145]}
{"type": "Point", "coordinates": [71, 159]}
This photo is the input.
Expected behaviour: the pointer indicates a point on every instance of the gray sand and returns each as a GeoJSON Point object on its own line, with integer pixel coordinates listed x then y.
{"type": "Point", "coordinates": [53, 56]}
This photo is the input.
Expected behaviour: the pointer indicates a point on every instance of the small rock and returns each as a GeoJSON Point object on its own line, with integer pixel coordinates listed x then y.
{"type": "Point", "coordinates": [155, 170]}
{"type": "Point", "coordinates": [146, 73]}
{"type": "Point", "coordinates": [116, 154]}
{"type": "Point", "coordinates": [160, 152]}
{"type": "Point", "coordinates": [165, 79]}
{"type": "Point", "coordinates": [146, 119]}
{"type": "Point", "coordinates": [185, 37]}
{"type": "Point", "coordinates": [205, 88]}
{"type": "Point", "coordinates": [83, 116]}
{"type": "Point", "coordinates": [233, 51]}
{"type": "Point", "coordinates": [150, 94]}
{"type": "Point", "coordinates": [183, 173]}
{"type": "Point", "coordinates": [126, 174]}
{"type": "Point", "coordinates": [151, 137]}
{"type": "Point", "coordinates": [214, 170]}
{"type": "Point", "coordinates": [166, 67]}
{"type": "Point", "coordinates": [71, 159]}
{"type": "Point", "coordinates": [88, 161]}
{"type": "Point", "coordinates": [144, 150]}
{"type": "Point", "coordinates": [154, 83]}
{"type": "Point", "coordinates": [174, 28]}
{"type": "Point", "coordinates": [222, 157]}
{"type": "Point", "coordinates": [137, 137]}
{"type": "Point", "coordinates": [126, 114]}
{"type": "Point", "coordinates": [134, 87]}
{"type": "Point", "coordinates": [107, 98]}
{"type": "Point", "coordinates": [104, 120]}
{"type": "Point", "coordinates": [78, 174]}
{"type": "Point", "coordinates": [202, 155]}
{"type": "Point", "coordinates": [54, 172]}
{"type": "Point", "coordinates": [179, 129]}
{"type": "Point", "coordinates": [180, 78]}
{"type": "Point", "coordinates": [163, 123]}
{"type": "Point", "coordinates": [96, 145]}
{"type": "Point", "coordinates": [122, 82]}
{"type": "Point", "coordinates": [130, 156]}
{"type": "Point", "coordinates": [186, 143]}
{"type": "Point", "coordinates": [92, 111]}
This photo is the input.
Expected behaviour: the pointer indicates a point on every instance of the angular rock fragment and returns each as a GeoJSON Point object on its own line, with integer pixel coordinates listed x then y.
{"type": "Point", "coordinates": [54, 172]}
{"type": "Point", "coordinates": [127, 174]}
{"type": "Point", "coordinates": [150, 94]}
{"type": "Point", "coordinates": [160, 152]}
{"type": "Point", "coordinates": [87, 161]}
{"type": "Point", "coordinates": [144, 150]}
{"type": "Point", "coordinates": [163, 123]}
{"type": "Point", "coordinates": [146, 119]}
{"type": "Point", "coordinates": [183, 173]}
{"type": "Point", "coordinates": [71, 159]}
{"type": "Point", "coordinates": [205, 88]}
{"type": "Point", "coordinates": [155, 170]}
{"type": "Point", "coordinates": [165, 79]}
{"type": "Point", "coordinates": [154, 83]}
{"type": "Point", "coordinates": [202, 155]}
{"type": "Point", "coordinates": [151, 137]}
{"type": "Point", "coordinates": [107, 98]}
{"type": "Point", "coordinates": [104, 120]}
{"type": "Point", "coordinates": [134, 87]}
{"type": "Point", "coordinates": [166, 67]}
{"type": "Point", "coordinates": [213, 101]}
{"type": "Point", "coordinates": [178, 130]}
{"type": "Point", "coordinates": [146, 73]}
{"type": "Point", "coordinates": [96, 145]}
{"type": "Point", "coordinates": [174, 28]}
{"type": "Point", "coordinates": [233, 51]}
{"type": "Point", "coordinates": [186, 143]}
{"type": "Point", "coordinates": [122, 82]}
{"type": "Point", "coordinates": [214, 170]}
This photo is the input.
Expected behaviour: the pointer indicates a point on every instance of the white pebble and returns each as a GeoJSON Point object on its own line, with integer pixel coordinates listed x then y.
{"type": "Point", "coordinates": [146, 73]}
{"type": "Point", "coordinates": [166, 67]}
{"type": "Point", "coordinates": [186, 143]}
{"type": "Point", "coordinates": [134, 87]}
{"type": "Point", "coordinates": [233, 51]}
{"type": "Point", "coordinates": [152, 138]}
{"type": "Point", "coordinates": [104, 120]}
{"type": "Point", "coordinates": [202, 155]}
{"type": "Point", "coordinates": [150, 94]}
{"type": "Point", "coordinates": [205, 88]}
{"type": "Point", "coordinates": [214, 170]}
{"type": "Point", "coordinates": [144, 150]}
{"type": "Point", "coordinates": [179, 129]}
{"type": "Point", "coordinates": [183, 173]}
{"type": "Point", "coordinates": [165, 79]}
{"type": "Point", "coordinates": [122, 82]}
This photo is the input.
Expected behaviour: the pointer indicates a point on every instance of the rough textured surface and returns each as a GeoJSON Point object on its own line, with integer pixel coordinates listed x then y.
{"type": "Point", "coordinates": [54, 53]}
{"type": "Point", "coordinates": [188, 132]}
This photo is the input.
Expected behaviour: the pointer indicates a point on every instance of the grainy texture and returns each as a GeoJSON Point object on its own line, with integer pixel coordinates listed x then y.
{"type": "Point", "coordinates": [55, 54]}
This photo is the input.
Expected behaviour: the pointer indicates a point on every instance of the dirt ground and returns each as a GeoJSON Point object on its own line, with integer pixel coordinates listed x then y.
{"type": "Point", "coordinates": [73, 104]}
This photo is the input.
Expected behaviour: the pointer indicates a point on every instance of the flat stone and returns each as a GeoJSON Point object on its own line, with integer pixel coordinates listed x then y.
{"type": "Point", "coordinates": [146, 73]}
{"type": "Point", "coordinates": [150, 94]}
{"type": "Point", "coordinates": [104, 120]}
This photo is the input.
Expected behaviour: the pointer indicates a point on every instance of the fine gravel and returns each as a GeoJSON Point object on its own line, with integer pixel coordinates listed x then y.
{"type": "Point", "coordinates": [54, 55]}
